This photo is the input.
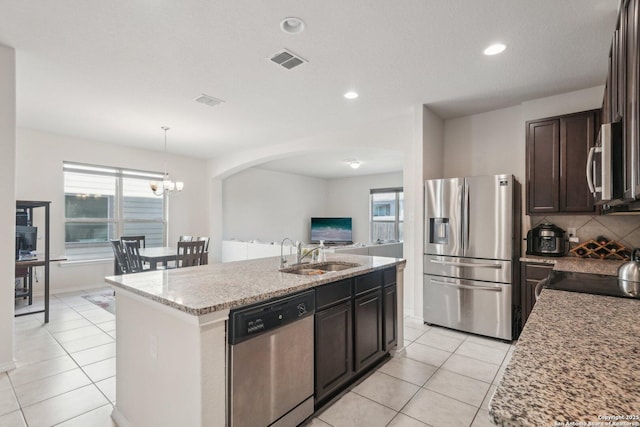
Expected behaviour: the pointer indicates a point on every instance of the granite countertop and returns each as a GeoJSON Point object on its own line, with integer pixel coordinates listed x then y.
{"type": "Point", "coordinates": [579, 265]}
{"type": "Point", "coordinates": [586, 265]}
{"type": "Point", "coordinates": [222, 286]}
{"type": "Point", "coordinates": [576, 362]}
{"type": "Point", "coordinates": [539, 259]}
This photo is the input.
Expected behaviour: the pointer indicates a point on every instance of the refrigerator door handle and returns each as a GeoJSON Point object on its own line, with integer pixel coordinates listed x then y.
{"type": "Point", "coordinates": [465, 220]}
{"type": "Point", "coordinates": [466, 264]}
{"type": "Point", "coordinates": [475, 288]}
{"type": "Point", "coordinates": [460, 203]}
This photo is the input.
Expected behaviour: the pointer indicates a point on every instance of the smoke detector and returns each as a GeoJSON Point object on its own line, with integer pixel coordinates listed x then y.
{"type": "Point", "coordinates": [288, 59]}
{"type": "Point", "coordinates": [208, 100]}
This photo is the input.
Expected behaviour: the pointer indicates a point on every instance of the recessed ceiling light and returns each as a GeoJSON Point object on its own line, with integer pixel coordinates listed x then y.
{"type": "Point", "coordinates": [292, 25]}
{"type": "Point", "coordinates": [495, 49]}
{"type": "Point", "coordinates": [355, 164]}
{"type": "Point", "coordinates": [351, 95]}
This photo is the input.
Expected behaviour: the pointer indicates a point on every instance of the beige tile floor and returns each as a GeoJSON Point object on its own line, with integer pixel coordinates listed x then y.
{"type": "Point", "coordinates": [65, 375]}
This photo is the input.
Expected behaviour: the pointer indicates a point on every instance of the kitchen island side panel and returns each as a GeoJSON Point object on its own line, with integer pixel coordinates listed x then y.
{"type": "Point", "coordinates": [170, 366]}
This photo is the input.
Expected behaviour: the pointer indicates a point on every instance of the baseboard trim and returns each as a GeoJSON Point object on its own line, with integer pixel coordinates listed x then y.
{"type": "Point", "coordinates": [6, 367]}
{"type": "Point", "coordinates": [120, 420]}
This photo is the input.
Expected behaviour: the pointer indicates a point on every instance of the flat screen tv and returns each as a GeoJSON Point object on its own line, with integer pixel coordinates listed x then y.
{"type": "Point", "coordinates": [334, 231]}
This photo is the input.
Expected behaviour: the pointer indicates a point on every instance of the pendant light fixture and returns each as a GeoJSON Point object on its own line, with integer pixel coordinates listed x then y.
{"type": "Point", "coordinates": [168, 186]}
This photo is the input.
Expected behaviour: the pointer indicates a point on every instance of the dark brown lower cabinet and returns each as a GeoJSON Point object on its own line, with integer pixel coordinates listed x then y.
{"type": "Point", "coordinates": [356, 324]}
{"type": "Point", "coordinates": [333, 350]}
{"type": "Point", "coordinates": [532, 273]}
{"type": "Point", "coordinates": [390, 295]}
{"type": "Point", "coordinates": [367, 329]}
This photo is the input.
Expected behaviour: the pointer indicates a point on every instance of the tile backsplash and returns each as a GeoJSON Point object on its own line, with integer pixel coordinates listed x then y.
{"type": "Point", "coordinates": [624, 229]}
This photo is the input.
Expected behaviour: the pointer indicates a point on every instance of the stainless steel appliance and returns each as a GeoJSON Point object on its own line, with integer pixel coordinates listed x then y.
{"type": "Point", "coordinates": [271, 362]}
{"type": "Point", "coordinates": [606, 172]}
{"type": "Point", "coordinates": [546, 240]}
{"type": "Point", "coordinates": [472, 244]}
{"type": "Point", "coordinates": [629, 275]}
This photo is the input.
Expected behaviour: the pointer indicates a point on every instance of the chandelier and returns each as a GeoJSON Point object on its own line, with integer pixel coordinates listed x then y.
{"type": "Point", "coordinates": [166, 185]}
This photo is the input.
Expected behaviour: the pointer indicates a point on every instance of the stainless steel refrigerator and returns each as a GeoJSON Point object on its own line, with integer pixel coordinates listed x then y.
{"type": "Point", "coordinates": [471, 251]}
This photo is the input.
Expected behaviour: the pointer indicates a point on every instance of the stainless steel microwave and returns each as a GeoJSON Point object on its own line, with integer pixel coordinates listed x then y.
{"type": "Point", "coordinates": [605, 166]}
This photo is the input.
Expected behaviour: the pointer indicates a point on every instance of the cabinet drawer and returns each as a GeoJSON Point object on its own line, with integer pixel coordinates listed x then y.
{"type": "Point", "coordinates": [536, 271]}
{"type": "Point", "coordinates": [368, 282]}
{"type": "Point", "coordinates": [332, 293]}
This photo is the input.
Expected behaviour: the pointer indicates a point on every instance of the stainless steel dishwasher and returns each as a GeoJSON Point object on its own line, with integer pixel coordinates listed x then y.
{"type": "Point", "coordinates": [271, 362]}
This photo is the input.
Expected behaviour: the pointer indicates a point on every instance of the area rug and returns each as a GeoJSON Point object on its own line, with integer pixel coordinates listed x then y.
{"type": "Point", "coordinates": [104, 299]}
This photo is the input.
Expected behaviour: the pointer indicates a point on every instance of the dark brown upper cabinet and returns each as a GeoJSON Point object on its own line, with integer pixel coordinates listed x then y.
{"type": "Point", "coordinates": [557, 151]}
{"type": "Point", "coordinates": [621, 94]}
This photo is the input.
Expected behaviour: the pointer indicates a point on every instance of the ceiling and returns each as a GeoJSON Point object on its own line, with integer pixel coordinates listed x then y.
{"type": "Point", "coordinates": [116, 71]}
{"type": "Point", "coordinates": [335, 163]}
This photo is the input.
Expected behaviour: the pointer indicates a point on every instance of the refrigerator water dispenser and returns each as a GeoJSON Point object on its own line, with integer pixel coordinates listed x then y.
{"type": "Point", "coordinates": [439, 231]}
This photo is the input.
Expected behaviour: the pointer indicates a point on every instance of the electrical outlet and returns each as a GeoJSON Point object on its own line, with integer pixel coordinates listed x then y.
{"type": "Point", "coordinates": [571, 232]}
{"type": "Point", "coordinates": [574, 240]}
{"type": "Point", "coordinates": [154, 347]}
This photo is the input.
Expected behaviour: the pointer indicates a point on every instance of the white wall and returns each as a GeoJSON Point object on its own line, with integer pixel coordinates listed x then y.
{"type": "Point", "coordinates": [39, 176]}
{"type": "Point", "coordinates": [263, 205]}
{"type": "Point", "coordinates": [8, 200]}
{"type": "Point", "coordinates": [485, 144]}
{"type": "Point", "coordinates": [268, 206]}
{"type": "Point", "coordinates": [423, 160]}
{"type": "Point", "coordinates": [350, 197]}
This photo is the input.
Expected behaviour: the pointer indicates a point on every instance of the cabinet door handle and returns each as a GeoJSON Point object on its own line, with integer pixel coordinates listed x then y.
{"type": "Point", "coordinates": [466, 264]}
{"type": "Point", "coordinates": [474, 288]}
{"type": "Point", "coordinates": [541, 284]}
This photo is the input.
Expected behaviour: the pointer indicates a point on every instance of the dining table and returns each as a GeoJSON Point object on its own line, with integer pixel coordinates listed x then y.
{"type": "Point", "coordinates": [153, 256]}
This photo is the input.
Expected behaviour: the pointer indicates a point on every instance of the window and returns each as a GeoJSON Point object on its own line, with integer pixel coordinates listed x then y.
{"type": "Point", "coordinates": [103, 203]}
{"type": "Point", "coordinates": [387, 214]}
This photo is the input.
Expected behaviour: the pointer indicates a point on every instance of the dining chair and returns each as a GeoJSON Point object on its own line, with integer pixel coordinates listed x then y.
{"type": "Point", "coordinates": [185, 239]}
{"type": "Point", "coordinates": [139, 239]}
{"type": "Point", "coordinates": [205, 254]}
{"type": "Point", "coordinates": [132, 251]}
{"type": "Point", "coordinates": [190, 253]}
{"type": "Point", "coordinates": [121, 266]}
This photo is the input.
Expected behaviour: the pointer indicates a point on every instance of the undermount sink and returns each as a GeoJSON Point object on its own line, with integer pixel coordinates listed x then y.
{"type": "Point", "coordinates": [319, 268]}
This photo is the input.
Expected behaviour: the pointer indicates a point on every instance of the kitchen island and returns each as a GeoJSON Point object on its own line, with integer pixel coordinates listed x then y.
{"type": "Point", "coordinates": [576, 363]}
{"type": "Point", "coordinates": [171, 333]}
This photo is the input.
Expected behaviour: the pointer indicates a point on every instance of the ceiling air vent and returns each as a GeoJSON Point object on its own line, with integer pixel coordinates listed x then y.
{"type": "Point", "coordinates": [208, 100]}
{"type": "Point", "coordinates": [288, 59]}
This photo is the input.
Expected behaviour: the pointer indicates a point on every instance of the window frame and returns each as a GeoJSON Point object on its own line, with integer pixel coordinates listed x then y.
{"type": "Point", "coordinates": [396, 221]}
{"type": "Point", "coordinates": [116, 223]}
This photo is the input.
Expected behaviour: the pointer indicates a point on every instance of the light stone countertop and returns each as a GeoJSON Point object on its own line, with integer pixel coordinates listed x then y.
{"type": "Point", "coordinates": [577, 358]}
{"type": "Point", "coordinates": [591, 266]}
{"type": "Point", "coordinates": [539, 259]}
{"type": "Point", "coordinates": [578, 265]}
{"type": "Point", "coordinates": [222, 286]}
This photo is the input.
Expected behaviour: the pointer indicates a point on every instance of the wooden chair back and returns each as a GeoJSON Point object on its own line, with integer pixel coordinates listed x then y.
{"type": "Point", "coordinates": [139, 239]}
{"type": "Point", "coordinates": [185, 239]}
{"type": "Point", "coordinates": [190, 253]}
{"type": "Point", "coordinates": [131, 249]}
{"type": "Point", "coordinates": [205, 254]}
{"type": "Point", "coordinates": [122, 263]}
